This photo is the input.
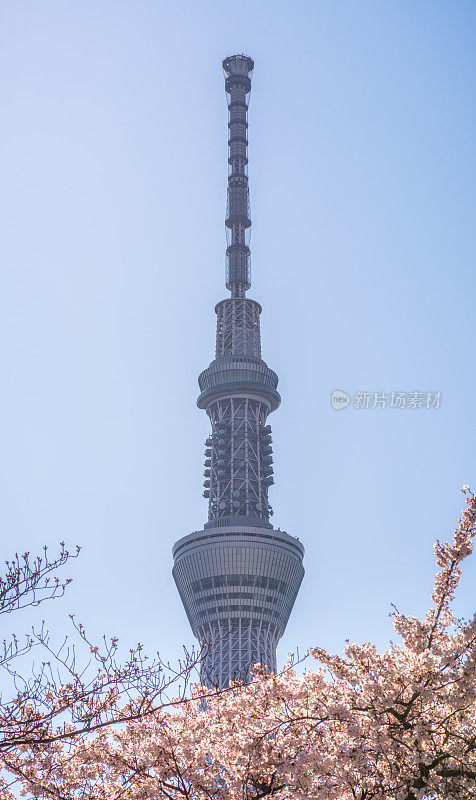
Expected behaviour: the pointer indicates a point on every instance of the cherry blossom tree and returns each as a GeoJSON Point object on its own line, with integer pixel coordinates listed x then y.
{"type": "Point", "coordinates": [67, 696]}
{"type": "Point", "coordinates": [397, 725]}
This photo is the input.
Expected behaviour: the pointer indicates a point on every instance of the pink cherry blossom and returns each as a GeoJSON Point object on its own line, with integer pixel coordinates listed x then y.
{"type": "Point", "coordinates": [397, 725]}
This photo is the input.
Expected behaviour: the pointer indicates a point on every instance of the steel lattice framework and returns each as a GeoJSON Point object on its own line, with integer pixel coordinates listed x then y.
{"type": "Point", "coordinates": [238, 578]}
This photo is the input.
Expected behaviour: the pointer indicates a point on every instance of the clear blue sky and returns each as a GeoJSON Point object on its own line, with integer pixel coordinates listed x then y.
{"type": "Point", "coordinates": [113, 182]}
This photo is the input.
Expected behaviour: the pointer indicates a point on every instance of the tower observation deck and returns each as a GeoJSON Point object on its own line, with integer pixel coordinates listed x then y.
{"type": "Point", "coordinates": [238, 578]}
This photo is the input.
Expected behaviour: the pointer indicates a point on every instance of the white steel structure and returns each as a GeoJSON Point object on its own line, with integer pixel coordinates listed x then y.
{"type": "Point", "coordinates": [238, 578]}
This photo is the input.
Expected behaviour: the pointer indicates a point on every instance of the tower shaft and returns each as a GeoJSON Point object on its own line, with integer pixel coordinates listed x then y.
{"type": "Point", "coordinates": [238, 578]}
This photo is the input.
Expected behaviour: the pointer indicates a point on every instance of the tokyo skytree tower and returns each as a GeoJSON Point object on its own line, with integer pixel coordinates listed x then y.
{"type": "Point", "coordinates": [238, 578]}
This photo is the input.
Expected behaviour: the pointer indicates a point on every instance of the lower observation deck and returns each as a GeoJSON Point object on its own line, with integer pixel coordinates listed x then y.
{"type": "Point", "coordinates": [237, 574]}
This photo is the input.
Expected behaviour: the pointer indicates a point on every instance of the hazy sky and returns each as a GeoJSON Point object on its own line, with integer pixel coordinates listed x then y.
{"type": "Point", "coordinates": [113, 181]}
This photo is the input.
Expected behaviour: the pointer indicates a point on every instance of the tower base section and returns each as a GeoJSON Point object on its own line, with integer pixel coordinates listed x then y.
{"type": "Point", "coordinates": [238, 585]}
{"type": "Point", "coordinates": [232, 647]}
